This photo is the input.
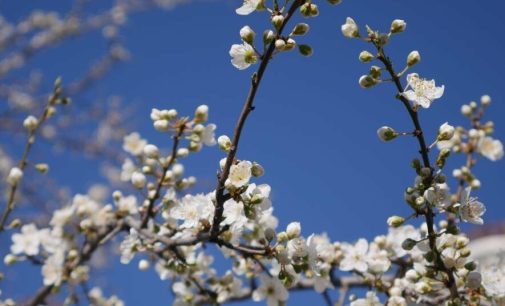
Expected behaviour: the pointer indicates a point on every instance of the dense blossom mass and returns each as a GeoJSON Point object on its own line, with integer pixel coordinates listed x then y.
{"type": "Point", "coordinates": [161, 227]}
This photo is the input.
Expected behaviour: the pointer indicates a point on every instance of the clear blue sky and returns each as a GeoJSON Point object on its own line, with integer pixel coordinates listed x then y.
{"type": "Point", "coordinates": [314, 129]}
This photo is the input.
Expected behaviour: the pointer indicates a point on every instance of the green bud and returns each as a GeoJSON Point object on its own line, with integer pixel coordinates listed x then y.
{"type": "Point", "coordinates": [42, 168]}
{"type": "Point", "coordinates": [386, 133]}
{"type": "Point", "coordinates": [367, 81]}
{"type": "Point", "coordinates": [413, 58]}
{"type": "Point", "coordinates": [395, 221]}
{"type": "Point", "coordinates": [375, 72]}
{"type": "Point", "coordinates": [257, 170]}
{"type": "Point", "coordinates": [365, 56]}
{"type": "Point", "coordinates": [408, 244]}
{"type": "Point", "coordinates": [300, 29]}
{"type": "Point", "coordinates": [305, 50]}
{"type": "Point", "coordinates": [470, 266]}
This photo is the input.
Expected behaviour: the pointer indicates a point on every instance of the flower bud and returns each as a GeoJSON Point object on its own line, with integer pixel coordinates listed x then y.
{"type": "Point", "coordinates": [30, 123]}
{"type": "Point", "coordinates": [257, 170]}
{"type": "Point", "coordinates": [138, 180]}
{"type": "Point", "coordinates": [143, 265]}
{"type": "Point", "coordinates": [314, 10]}
{"type": "Point", "coordinates": [445, 132]}
{"type": "Point", "coordinates": [269, 234]}
{"type": "Point", "coordinates": [475, 184]}
{"type": "Point", "coordinates": [117, 195]}
{"type": "Point", "coordinates": [466, 110]}
{"type": "Point", "coordinates": [293, 230]}
{"type": "Point", "coordinates": [386, 133]}
{"type": "Point", "coordinates": [268, 36]}
{"type": "Point", "coordinates": [367, 81]}
{"type": "Point", "coordinates": [282, 237]}
{"type": "Point", "coordinates": [305, 50]}
{"type": "Point", "coordinates": [280, 44]}
{"type": "Point", "coordinates": [470, 266]}
{"type": "Point", "coordinates": [151, 151]}
{"type": "Point", "coordinates": [224, 143]}
{"type": "Point", "coordinates": [290, 44]}
{"type": "Point", "coordinates": [277, 21]}
{"type": "Point", "coordinates": [202, 111]}
{"type": "Point", "coordinates": [182, 152]}
{"type": "Point", "coordinates": [413, 58]}
{"type": "Point", "coordinates": [485, 100]}
{"type": "Point", "coordinates": [10, 259]}
{"type": "Point", "coordinates": [247, 34]}
{"type": "Point", "coordinates": [178, 170]}
{"type": "Point", "coordinates": [300, 29]}
{"type": "Point", "coordinates": [161, 125]}
{"type": "Point", "coordinates": [42, 168]}
{"type": "Point", "coordinates": [15, 175]}
{"type": "Point", "coordinates": [350, 28]}
{"type": "Point", "coordinates": [395, 221]}
{"type": "Point", "coordinates": [375, 72]}
{"type": "Point", "coordinates": [365, 56]}
{"type": "Point", "coordinates": [398, 26]}
{"type": "Point", "coordinates": [408, 244]}
{"type": "Point", "coordinates": [335, 2]}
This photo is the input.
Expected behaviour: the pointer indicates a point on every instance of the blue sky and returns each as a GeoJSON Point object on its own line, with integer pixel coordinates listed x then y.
{"type": "Point", "coordinates": [314, 128]}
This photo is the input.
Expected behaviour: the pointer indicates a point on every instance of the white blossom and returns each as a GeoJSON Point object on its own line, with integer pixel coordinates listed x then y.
{"type": "Point", "coordinates": [27, 242]}
{"type": "Point", "coordinates": [15, 175]}
{"type": "Point", "coordinates": [134, 144]}
{"type": "Point", "coordinates": [234, 215]}
{"type": "Point", "coordinates": [243, 56]}
{"type": "Point", "coordinates": [270, 289]}
{"type": "Point", "coordinates": [471, 210]}
{"type": "Point", "coordinates": [370, 300]}
{"type": "Point", "coordinates": [208, 135]}
{"type": "Point", "coordinates": [127, 205]}
{"type": "Point", "coordinates": [355, 256]}
{"type": "Point", "coordinates": [490, 148]}
{"type": "Point", "coordinates": [350, 28]}
{"type": "Point", "coordinates": [422, 92]}
{"type": "Point", "coordinates": [240, 174]}
{"type": "Point", "coordinates": [248, 7]}
{"type": "Point", "coordinates": [191, 209]}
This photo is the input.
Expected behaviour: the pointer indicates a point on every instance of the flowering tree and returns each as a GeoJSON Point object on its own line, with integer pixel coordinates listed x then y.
{"type": "Point", "coordinates": [163, 225]}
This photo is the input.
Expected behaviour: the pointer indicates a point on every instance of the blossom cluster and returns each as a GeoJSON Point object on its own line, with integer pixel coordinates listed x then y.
{"type": "Point", "coordinates": [160, 225]}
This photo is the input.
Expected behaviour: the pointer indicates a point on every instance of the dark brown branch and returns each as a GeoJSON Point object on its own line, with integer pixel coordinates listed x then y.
{"type": "Point", "coordinates": [424, 151]}
{"type": "Point", "coordinates": [150, 213]}
{"type": "Point", "coordinates": [248, 107]}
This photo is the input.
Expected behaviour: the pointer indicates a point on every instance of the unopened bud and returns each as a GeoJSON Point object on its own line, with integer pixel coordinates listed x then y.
{"type": "Point", "coordinates": [365, 56]}
{"type": "Point", "coordinates": [398, 26]}
{"type": "Point", "coordinates": [300, 29]}
{"type": "Point", "coordinates": [408, 244]}
{"type": "Point", "coordinates": [386, 133]}
{"type": "Point", "coordinates": [445, 132]}
{"type": "Point", "coordinates": [257, 170]}
{"type": "Point", "coordinates": [42, 168]}
{"type": "Point", "coordinates": [280, 44]}
{"type": "Point", "coordinates": [247, 34]}
{"type": "Point", "coordinates": [202, 113]}
{"type": "Point", "coordinates": [413, 58]}
{"type": "Point", "coordinates": [305, 50]}
{"type": "Point", "coordinates": [30, 123]}
{"type": "Point", "coordinates": [395, 221]}
{"type": "Point", "coordinates": [224, 143]}
{"type": "Point", "coordinates": [485, 100]}
{"type": "Point", "coordinates": [367, 81]}
{"type": "Point", "coordinates": [143, 265]}
{"type": "Point", "coordinates": [277, 21]}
